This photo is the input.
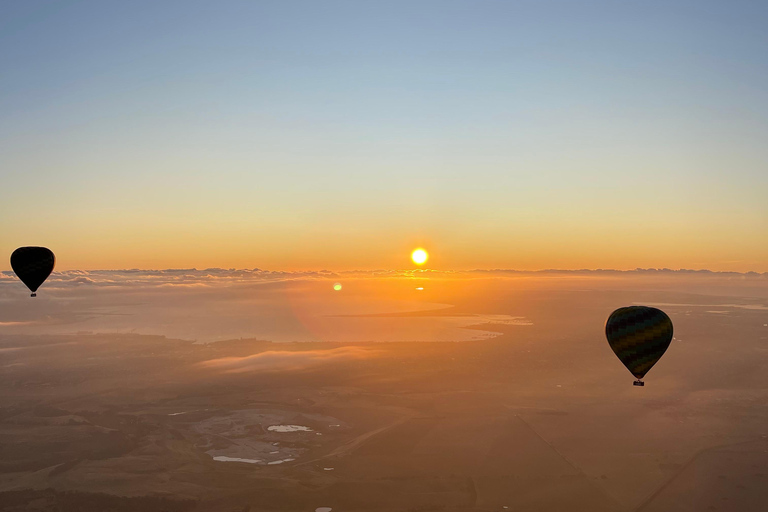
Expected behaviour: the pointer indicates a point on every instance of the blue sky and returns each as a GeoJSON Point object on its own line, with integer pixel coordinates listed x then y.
{"type": "Point", "coordinates": [502, 134]}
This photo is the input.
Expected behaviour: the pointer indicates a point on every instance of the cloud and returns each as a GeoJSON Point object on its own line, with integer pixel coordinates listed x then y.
{"type": "Point", "coordinates": [82, 280]}
{"type": "Point", "coordinates": [274, 360]}
{"type": "Point", "coordinates": [247, 277]}
{"type": "Point", "coordinates": [169, 277]}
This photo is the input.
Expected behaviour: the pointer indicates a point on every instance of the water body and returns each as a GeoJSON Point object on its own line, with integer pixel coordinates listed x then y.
{"type": "Point", "coordinates": [222, 458]}
{"type": "Point", "coordinates": [279, 461]}
{"type": "Point", "coordinates": [289, 428]}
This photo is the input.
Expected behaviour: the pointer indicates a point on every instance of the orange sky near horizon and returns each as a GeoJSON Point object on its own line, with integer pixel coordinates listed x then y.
{"type": "Point", "coordinates": [342, 135]}
{"type": "Point", "coordinates": [448, 250]}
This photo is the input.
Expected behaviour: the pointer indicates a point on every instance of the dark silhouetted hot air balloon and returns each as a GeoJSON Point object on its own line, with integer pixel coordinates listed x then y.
{"type": "Point", "coordinates": [33, 265]}
{"type": "Point", "coordinates": [639, 335]}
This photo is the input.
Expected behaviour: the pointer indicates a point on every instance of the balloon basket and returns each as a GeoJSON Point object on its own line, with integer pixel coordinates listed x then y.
{"type": "Point", "coordinates": [33, 295]}
{"type": "Point", "coordinates": [638, 382]}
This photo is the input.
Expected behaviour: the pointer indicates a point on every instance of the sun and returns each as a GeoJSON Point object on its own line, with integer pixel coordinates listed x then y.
{"type": "Point", "coordinates": [419, 256]}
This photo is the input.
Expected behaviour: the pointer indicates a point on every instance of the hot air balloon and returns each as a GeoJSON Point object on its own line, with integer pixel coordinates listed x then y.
{"type": "Point", "coordinates": [33, 265]}
{"type": "Point", "coordinates": [639, 336]}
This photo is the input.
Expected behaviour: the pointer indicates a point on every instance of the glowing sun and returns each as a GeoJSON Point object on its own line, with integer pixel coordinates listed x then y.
{"type": "Point", "coordinates": [419, 256]}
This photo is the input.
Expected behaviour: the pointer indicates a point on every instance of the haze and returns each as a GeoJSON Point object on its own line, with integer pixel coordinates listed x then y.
{"type": "Point", "coordinates": [405, 390]}
{"type": "Point", "coordinates": [358, 256]}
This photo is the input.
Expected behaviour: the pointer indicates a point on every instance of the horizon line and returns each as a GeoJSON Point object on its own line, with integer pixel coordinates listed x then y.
{"type": "Point", "coordinates": [638, 270]}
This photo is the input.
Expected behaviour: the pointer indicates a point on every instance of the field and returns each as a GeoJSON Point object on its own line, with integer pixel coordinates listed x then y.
{"type": "Point", "coordinates": [539, 416]}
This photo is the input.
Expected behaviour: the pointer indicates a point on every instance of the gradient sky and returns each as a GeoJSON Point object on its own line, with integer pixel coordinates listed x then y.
{"type": "Point", "coordinates": [309, 135]}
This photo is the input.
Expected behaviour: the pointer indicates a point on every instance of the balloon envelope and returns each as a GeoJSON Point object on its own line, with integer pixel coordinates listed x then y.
{"type": "Point", "coordinates": [33, 265]}
{"type": "Point", "coordinates": [639, 336]}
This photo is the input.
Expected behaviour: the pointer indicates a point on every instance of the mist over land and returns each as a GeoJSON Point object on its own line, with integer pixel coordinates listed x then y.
{"type": "Point", "coordinates": [453, 134]}
{"type": "Point", "coordinates": [216, 304]}
{"type": "Point", "coordinates": [405, 390]}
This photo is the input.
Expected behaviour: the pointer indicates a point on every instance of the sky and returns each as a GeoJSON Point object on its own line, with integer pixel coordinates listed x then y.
{"type": "Point", "coordinates": [293, 135]}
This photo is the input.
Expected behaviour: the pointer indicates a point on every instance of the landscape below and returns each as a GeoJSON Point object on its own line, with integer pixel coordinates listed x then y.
{"type": "Point", "coordinates": [530, 411]}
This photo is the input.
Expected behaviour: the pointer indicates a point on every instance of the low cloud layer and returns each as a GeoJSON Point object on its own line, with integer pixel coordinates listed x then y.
{"type": "Point", "coordinates": [216, 276]}
{"type": "Point", "coordinates": [219, 304]}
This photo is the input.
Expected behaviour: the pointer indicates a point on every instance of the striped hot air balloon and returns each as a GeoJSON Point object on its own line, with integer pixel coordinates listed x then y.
{"type": "Point", "coordinates": [639, 336]}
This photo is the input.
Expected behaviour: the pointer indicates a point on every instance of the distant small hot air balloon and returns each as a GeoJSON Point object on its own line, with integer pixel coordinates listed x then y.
{"type": "Point", "coordinates": [33, 265]}
{"type": "Point", "coordinates": [639, 336]}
